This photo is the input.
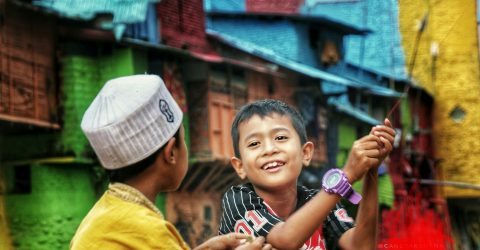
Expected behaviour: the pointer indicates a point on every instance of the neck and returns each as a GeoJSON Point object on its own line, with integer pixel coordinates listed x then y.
{"type": "Point", "coordinates": [283, 203]}
{"type": "Point", "coordinates": [145, 187]}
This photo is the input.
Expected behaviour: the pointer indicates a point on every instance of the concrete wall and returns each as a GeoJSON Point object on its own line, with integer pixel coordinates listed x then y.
{"type": "Point", "coordinates": [452, 78]}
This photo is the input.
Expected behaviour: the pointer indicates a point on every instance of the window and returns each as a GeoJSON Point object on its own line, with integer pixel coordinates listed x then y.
{"type": "Point", "coordinates": [21, 180]}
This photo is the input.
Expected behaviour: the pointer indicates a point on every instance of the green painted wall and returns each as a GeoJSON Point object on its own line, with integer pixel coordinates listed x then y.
{"type": "Point", "coordinates": [346, 136]}
{"type": "Point", "coordinates": [48, 217]}
{"type": "Point", "coordinates": [83, 77]}
{"type": "Point", "coordinates": [406, 116]}
{"type": "Point", "coordinates": [61, 195]}
{"type": "Point", "coordinates": [80, 85]}
{"type": "Point", "coordinates": [385, 190]}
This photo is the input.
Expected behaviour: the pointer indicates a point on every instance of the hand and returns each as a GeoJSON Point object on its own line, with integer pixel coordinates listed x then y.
{"type": "Point", "coordinates": [257, 244]}
{"type": "Point", "coordinates": [365, 153]}
{"type": "Point", "coordinates": [236, 241]}
{"type": "Point", "coordinates": [386, 133]}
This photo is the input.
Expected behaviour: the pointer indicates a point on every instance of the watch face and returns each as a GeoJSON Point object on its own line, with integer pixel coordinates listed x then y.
{"type": "Point", "coordinates": [333, 179]}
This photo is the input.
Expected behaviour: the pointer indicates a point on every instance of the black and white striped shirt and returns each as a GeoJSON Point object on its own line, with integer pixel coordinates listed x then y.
{"type": "Point", "coordinates": [244, 211]}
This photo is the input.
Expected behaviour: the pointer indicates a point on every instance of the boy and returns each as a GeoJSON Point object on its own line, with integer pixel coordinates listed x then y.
{"type": "Point", "coordinates": [271, 148]}
{"type": "Point", "coordinates": [135, 128]}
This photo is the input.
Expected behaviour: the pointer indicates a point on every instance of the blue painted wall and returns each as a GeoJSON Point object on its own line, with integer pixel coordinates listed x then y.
{"type": "Point", "coordinates": [381, 50]}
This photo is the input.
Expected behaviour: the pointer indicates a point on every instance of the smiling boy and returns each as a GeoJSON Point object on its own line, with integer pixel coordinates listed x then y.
{"type": "Point", "coordinates": [271, 148]}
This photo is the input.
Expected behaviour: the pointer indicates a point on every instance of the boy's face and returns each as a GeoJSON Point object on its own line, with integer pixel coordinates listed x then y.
{"type": "Point", "coordinates": [271, 154]}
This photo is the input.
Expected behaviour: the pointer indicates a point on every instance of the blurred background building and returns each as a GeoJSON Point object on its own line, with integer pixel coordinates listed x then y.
{"type": "Point", "coordinates": [345, 64]}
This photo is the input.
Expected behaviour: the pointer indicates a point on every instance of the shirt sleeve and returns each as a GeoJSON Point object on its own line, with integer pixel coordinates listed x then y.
{"type": "Point", "coordinates": [337, 223]}
{"type": "Point", "coordinates": [245, 212]}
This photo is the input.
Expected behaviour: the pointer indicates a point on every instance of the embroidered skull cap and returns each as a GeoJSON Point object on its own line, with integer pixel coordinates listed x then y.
{"type": "Point", "coordinates": [130, 119]}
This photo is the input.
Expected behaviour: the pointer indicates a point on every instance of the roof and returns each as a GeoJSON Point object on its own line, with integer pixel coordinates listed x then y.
{"type": "Point", "coordinates": [353, 112]}
{"type": "Point", "coordinates": [379, 16]}
{"type": "Point", "coordinates": [338, 25]}
{"type": "Point", "coordinates": [272, 56]}
{"type": "Point", "coordinates": [210, 58]}
{"type": "Point", "coordinates": [125, 11]}
{"type": "Point", "coordinates": [114, 15]}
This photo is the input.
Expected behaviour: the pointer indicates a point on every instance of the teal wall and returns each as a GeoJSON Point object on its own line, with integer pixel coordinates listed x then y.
{"type": "Point", "coordinates": [48, 217]}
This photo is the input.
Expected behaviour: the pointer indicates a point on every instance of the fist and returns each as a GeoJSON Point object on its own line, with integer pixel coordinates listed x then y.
{"type": "Point", "coordinates": [386, 133]}
{"type": "Point", "coordinates": [365, 153]}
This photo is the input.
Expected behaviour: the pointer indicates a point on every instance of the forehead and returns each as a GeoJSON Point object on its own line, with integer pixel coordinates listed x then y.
{"type": "Point", "coordinates": [258, 123]}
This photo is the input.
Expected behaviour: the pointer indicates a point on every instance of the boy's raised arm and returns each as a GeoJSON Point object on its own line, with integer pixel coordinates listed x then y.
{"type": "Point", "coordinates": [364, 234]}
{"type": "Point", "coordinates": [292, 233]}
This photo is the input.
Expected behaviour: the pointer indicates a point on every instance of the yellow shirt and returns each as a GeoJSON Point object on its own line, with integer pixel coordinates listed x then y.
{"type": "Point", "coordinates": [124, 218]}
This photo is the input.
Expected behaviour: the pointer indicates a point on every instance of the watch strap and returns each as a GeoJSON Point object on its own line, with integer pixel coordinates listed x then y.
{"type": "Point", "coordinates": [344, 189]}
{"type": "Point", "coordinates": [354, 197]}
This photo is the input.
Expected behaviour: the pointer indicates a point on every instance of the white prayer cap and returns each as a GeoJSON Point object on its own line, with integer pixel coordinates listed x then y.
{"type": "Point", "coordinates": [130, 119]}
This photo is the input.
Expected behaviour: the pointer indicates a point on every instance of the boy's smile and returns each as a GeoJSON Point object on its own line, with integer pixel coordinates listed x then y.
{"type": "Point", "coordinates": [273, 166]}
{"type": "Point", "coordinates": [271, 154]}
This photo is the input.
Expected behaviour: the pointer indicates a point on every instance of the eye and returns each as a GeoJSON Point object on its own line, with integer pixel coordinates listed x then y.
{"type": "Point", "coordinates": [281, 138]}
{"type": "Point", "coordinates": [253, 144]}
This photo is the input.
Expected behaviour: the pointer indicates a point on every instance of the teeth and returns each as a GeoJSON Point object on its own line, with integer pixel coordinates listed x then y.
{"type": "Point", "coordinates": [272, 165]}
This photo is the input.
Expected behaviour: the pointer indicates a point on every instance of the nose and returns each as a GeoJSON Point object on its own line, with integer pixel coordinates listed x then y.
{"type": "Point", "coordinates": [269, 147]}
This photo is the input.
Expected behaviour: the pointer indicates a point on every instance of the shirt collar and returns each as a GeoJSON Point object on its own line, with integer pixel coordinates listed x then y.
{"type": "Point", "coordinates": [128, 193]}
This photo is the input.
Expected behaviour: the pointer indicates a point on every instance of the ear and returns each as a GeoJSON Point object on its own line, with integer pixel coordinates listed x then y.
{"type": "Point", "coordinates": [238, 166]}
{"type": "Point", "coordinates": [307, 150]}
{"type": "Point", "coordinates": [170, 152]}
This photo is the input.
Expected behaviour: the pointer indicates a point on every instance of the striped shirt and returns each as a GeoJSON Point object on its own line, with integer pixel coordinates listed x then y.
{"type": "Point", "coordinates": [244, 211]}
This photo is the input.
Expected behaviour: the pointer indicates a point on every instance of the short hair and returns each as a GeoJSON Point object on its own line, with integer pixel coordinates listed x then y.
{"type": "Point", "coordinates": [264, 108]}
{"type": "Point", "coordinates": [132, 170]}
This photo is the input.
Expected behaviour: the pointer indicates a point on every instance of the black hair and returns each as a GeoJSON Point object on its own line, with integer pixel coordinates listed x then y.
{"type": "Point", "coordinates": [265, 108]}
{"type": "Point", "coordinates": [132, 170]}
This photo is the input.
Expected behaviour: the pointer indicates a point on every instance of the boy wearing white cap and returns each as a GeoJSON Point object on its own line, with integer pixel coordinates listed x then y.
{"type": "Point", "coordinates": [135, 128]}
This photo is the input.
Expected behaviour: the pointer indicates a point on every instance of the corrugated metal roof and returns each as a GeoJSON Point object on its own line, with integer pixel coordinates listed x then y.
{"type": "Point", "coordinates": [379, 16]}
{"type": "Point", "coordinates": [350, 110]}
{"type": "Point", "coordinates": [123, 11]}
{"type": "Point", "coordinates": [273, 56]}
{"type": "Point", "coordinates": [341, 103]}
{"type": "Point", "coordinates": [224, 5]}
{"type": "Point", "coordinates": [338, 25]}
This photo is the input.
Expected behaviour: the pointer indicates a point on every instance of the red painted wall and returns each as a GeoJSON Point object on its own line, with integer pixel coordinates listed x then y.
{"type": "Point", "coordinates": [182, 25]}
{"type": "Point", "coordinates": [273, 6]}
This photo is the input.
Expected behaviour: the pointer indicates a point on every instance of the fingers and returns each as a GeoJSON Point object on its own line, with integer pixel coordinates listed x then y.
{"type": "Point", "coordinates": [234, 239]}
{"type": "Point", "coordinates": [387, 136]}
{"type": "Point", "coordinates": [257, 244]}
{"type": "Point", "coordinates": [267, 247]}
{"type": "Point", "coordinates": [238, 236]}
{"type": "Point", "coordinates": [387, 146]}
{"type": "Point", "coordinates": [384, 129]}
{"type": "Point", "coordinates": [387, 123]}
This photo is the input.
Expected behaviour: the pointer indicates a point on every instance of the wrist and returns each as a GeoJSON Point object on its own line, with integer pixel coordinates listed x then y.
{"type": "Point", "coordinates": [350, 177]}
{"type": "Point", "coordinates": [372, 172]}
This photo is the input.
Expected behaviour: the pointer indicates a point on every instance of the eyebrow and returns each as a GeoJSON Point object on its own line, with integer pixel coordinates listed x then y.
{"type": "Point", "coordinates": [275, 130]}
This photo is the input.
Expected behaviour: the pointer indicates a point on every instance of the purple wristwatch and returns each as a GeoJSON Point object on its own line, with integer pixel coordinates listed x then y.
{"type": "Point", "coordinates": [335, 182]}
